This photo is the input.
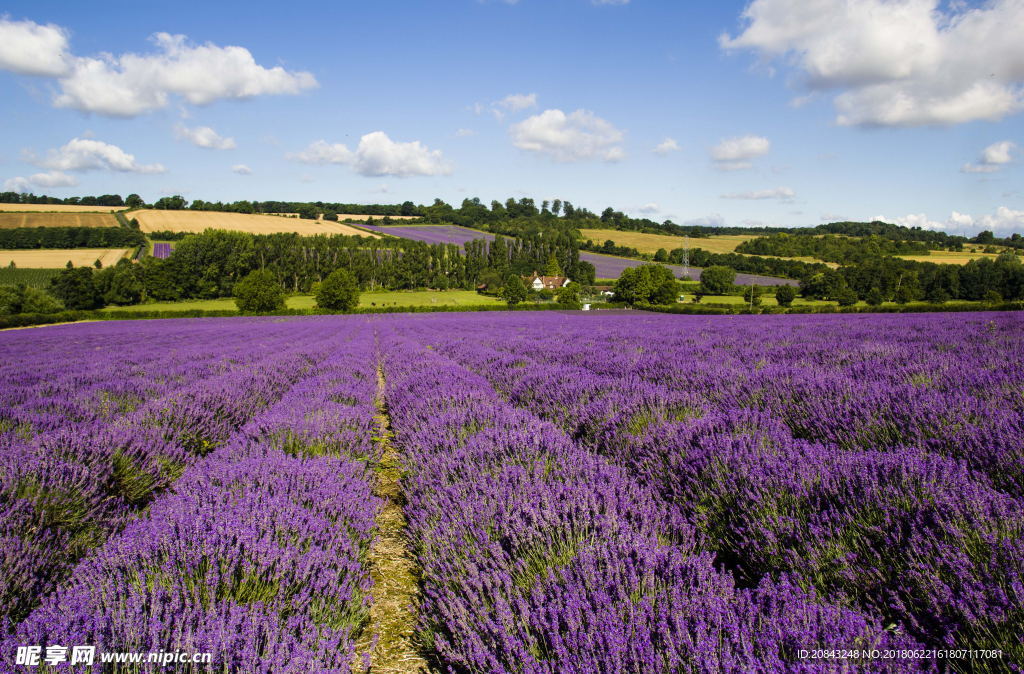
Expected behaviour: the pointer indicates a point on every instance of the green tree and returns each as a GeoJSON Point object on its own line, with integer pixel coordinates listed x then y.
{"type": "Point", "coordinates": [120, 285]}
{"type": "Point", "coordinates": [752, 295]}
{"type": "Point", "coordinates": [306, 211]}
{"type": "Point", "coordinates": [717, 280]}
{"type": "Point", "coordinates": [339, 292]}
{"type": "Point", "coordinates": [785, 295]}
{"type": "Point", "coordinates": [408, 208]}
{"type": "Point", "coordinates": [515, 291]}
{"type": "Point", "coordinates": [874, 297]}
{"type": "Point", "coordinates": [569, 296]}
{"type": "Point", "coordinates": [259, 292]}
{"type": "Point", "coordinates": [846, 297]}
{"type": "Point", "coordinates": [76, 288]}
{"type": "Point", "coordinates": [21, 299]}
{"type": "Point", "coordinates": [583, 272]}
{"type": "Point", "coordinates": [992, 297]}
{"type": "Point", "coordinates": [903, 295]}
{"type": "Point", "coordinates": [666, 293]}
{"type": "Point", "coordinates": [330, 215]}
{"type": "Point", "coordinates": [553, 268]}
{"type": "Point", "coordinates": [134, 201]}
{"type": "Point", "coordinates": [98, 264]}
{"type": "Point", "coordinates": [661, 255]}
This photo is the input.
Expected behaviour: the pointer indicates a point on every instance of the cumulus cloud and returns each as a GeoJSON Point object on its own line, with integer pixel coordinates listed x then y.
{"type": "Point", "coordinates": [896, 63]}
{"type": "Point", "coordinates": [82, 154]}
{"type": "Point", "coordinates": [462, 133]}
{"type": "Point", "coordinates": [53, 179]}
{"type": "Point", "coordinates": [322, 153]}
{"type": "Point", "coordinates": [713, 220]}
{"type": "Point", "coordinates": [27, 48]}
{"type": "Point", "coordinates": [735, 153]}
{"type": "Point", "coordinates": [992, 158]}
{"type": "Point", "coordinates": [648, 208]}
{"type": "Point", "coordinates": [666, 146]}
{"type": "Point", "coordinates": [132, 84]}
{"type": "Point", "coordinates": [517, 102]}
{"type": "Point", "coordinates": [1004, 221]}
{"type": "Point", "coordinates": [241, 169]}
{"type": "Point", "coordinates": [777, 193]}
{"type": "Point", "coordinates": [18, 184]}
{"type": "Point", "coordinates": [204, 136]}
{"type": "Point", "coordinates": [378, 155]}
{"type": "Point", "coordinates": [577, 136]}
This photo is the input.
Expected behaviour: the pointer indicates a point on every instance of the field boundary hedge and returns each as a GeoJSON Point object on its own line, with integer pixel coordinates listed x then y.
{"type": "Point", "coordinates": [28, 320]}
{"type": "Point", "coordinates": [832, 309]}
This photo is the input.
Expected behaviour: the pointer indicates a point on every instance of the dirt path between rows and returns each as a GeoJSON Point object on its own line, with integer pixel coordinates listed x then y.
{"type": "Point", "coordinates": [395, 573]}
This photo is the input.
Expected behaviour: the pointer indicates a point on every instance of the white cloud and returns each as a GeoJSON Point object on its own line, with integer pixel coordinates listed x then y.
{"type": "Point", "coordinates": [777, 193]}
{"type": "Point", "coordinates": [992, 158]}
{"type": "Point", "coordinates": [896, 62]}
{"type": "Point", "coordinates": [918, 220]}
{"type": "Point", "coordinates": [86, 155]}
{"type": "Point", "coordinates": [567, 138]}
{"type": "Point", "coordinates": [204, 136]}
{"type": "Point", "coordinates": [462, 133]}
{"type": "Point", "coordinates": [241, 169]}
{"type": "Point", "coordinates": [648, 208]}
{"type": "Point", "coordinates": [378, 155]}
{"type": "Point", "coordinates": [27, 48]}
{"type": "Point", "coordinates": [131, 84]}
{"type": "Point", "coordinates": [322, 153]}
{"type": "Point", "coordinates": [53, 179]}
{"type": "Point", "coordinates": [713, 220]}
{"type": "Point", "coordinates": [517, 102]}
{"type": "Point", "coordinates": [666, 146]}
{"type": "Point", "coordinates": [1003, 221]}
{"type": "Point", "coordinates": [18, 184]}
{"type": "Point", "coordinates": [735, 153]}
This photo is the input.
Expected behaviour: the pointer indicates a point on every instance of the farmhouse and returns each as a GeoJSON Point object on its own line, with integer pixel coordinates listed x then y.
{"type": "Point", "coordinates": [545, 282]}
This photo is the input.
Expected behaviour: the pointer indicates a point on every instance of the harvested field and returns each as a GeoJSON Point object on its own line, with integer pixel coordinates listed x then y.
{"type": "Point", "coordinates": [650, 243]}
{"type": "Point", "coordinates": [376, 218]}
{"type": "Point", "coordinates": [82, 219]}
{"type": "Point", "coordinates": [54, 259]}
{"type": "Point", "coordinates": [55, 208]}
{"type": "Point", "coordinates": [946, 257]}
{"type": "Point", "coordinates": [197, 221]}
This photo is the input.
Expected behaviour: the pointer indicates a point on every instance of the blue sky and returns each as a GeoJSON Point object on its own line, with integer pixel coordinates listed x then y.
{"type": "Point", "coordinates": [776, 111]}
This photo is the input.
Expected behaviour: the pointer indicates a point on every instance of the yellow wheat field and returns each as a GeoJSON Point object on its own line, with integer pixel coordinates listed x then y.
{"type": "Point", "coordinates": [52, 259]}
{"type": "Point", "coordinates": [650, 243]}
{"type": "Point", "coordinates": [53, 208]}
{"type": "Point", "coordinates": [12, 220]}
{"type": "Point", "coordinates": [197, 221]}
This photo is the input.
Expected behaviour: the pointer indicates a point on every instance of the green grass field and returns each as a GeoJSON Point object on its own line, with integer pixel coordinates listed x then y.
{"type": "Point", "coordinates": [417, 298]}
{"type": "Point", "coordinates": [34, 278]}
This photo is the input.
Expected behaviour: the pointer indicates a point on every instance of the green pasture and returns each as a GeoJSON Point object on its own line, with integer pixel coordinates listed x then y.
{"type": "Point", "coordinates": [417, 298]}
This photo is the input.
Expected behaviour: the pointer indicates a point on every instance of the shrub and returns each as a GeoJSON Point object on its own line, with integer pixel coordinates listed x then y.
{"type": "Point", "coordinates": [515, 291]}
{"type": "Point", "coordinates": [785, 296]}
{"type": "Point", "coordinates": [847, 297]}
{"type": "Point", "coordinates": [339, 292]}
{"type": "Point", "coordinates": [991, 297]}
{"type": "Point", "coordinates": [717, 280]}
{"type": "Point", "coordinates": [569, 296]}
{"type": "Point", "coordinates": [874, 297]}
{"type": "Point", "coordinates": [258, 292]}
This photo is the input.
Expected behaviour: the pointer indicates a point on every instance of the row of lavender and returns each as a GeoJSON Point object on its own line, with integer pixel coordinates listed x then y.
{"type": "Point", "coordinates": [540, 555]}
{"type": "Point", "coordinates": [256, 554]}
{"type": "Point", "coordinates": [923, 530]}
{"type": "Point", "coordinates": [91, 439]}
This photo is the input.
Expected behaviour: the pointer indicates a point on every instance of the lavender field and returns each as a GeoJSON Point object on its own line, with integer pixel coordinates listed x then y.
{"type": "Point", "coordinates": [645, 493]}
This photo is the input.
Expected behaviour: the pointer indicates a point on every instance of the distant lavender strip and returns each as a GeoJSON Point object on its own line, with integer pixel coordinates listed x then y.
{"type": "Point", "coordinates": [606, 265]}
{"type": "Point", "coordinates": [161, 250]}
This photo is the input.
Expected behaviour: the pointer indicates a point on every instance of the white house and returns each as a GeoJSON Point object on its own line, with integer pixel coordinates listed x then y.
{"type": "Point", "coordinates": [545, 282]}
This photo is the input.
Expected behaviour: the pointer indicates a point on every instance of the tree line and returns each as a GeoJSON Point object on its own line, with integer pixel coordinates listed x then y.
{"type": "Point", "coordinates": [34, 238]}
{"type": "Point", "coordinates": [211, 264]}
{"type": "Point", "coordinates": [830, 248]}
{"type": "Point", "coordinates": [111, 200]}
